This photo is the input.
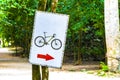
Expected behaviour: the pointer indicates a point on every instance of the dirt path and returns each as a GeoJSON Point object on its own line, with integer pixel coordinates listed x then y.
{"type": "Point", "coordinates": [16, 68]}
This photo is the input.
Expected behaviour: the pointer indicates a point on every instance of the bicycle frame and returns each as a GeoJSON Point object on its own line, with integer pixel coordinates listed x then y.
{"type": "Point", "coordinates": [51, 37]}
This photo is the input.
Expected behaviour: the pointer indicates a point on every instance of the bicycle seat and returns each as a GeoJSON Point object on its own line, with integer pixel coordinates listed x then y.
{"type": "Point", "coordinates": [54, 35]}
{"type": "Point", "coordinates": [45, 32]}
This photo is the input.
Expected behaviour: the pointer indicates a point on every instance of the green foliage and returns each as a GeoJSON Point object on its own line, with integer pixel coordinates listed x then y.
{"type": "Point", "coordinates": [104, 70]}
{"type": "Point", "coordinates": [17, 21]}
{"type": "Point", "coordinates": [101, 73]}
{"type": "Point", "coordinates": [103, 66]}
{"type": "Point", "coordinates": [86, 24]}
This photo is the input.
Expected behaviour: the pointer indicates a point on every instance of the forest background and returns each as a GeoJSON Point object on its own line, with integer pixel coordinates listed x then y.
{"type": "Point", "coordinates": [85, 35]}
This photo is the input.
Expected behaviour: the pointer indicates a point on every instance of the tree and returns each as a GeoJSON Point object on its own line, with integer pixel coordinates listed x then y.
{"type": "Point", "coordinates": [36, 71]}
{"type": "Point", "coordinates": [19, 27]}
{"type": "Point", "coordinates": [112, 30]}
{"type": "Point", "coordinates": [86, 19]}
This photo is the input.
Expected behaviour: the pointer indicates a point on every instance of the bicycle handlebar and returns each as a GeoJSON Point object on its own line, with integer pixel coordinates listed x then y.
{"type": "Point", "coordinates": [46, 32]}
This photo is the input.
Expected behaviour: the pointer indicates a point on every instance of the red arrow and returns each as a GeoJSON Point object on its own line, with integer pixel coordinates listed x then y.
{"type": "Point", "coordinates": [46, 57]}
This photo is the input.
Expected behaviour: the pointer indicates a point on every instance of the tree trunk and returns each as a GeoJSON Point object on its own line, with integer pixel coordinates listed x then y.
{"type": "Point", "coordinates": [54, 5]}
{"type": "Point", "coordinates": [79, 47]}
{"type": "Point", "coordinates": [42, 5]}
{"type": "Point", "coordinates": [36, 75]}
{"type": "Point", "coordinates": [45, 73]}
{"type": "Point", "coordinates": [112, 30]}
{"type": "Point", "coordinates": [45, 70]}
{"type": "Point", "coordinates": [36, 72]}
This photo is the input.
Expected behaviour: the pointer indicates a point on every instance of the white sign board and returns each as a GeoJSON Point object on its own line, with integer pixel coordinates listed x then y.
{"type": "Point", "coordinates": [48, 39]}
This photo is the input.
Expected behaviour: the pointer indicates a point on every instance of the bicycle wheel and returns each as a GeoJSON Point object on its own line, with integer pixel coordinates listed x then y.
{"type": "Point", "coordinates": [56, 44]}
{"type": "Point", "coordinates": [39, 41]}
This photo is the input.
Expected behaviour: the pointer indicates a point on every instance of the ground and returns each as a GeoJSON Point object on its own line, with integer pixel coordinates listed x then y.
{"type": "Point", "coordinates": [16, 68]}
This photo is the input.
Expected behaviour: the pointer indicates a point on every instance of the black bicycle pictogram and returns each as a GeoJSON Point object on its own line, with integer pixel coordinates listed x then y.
{"type": "Point", "coordinates": [40, 41]}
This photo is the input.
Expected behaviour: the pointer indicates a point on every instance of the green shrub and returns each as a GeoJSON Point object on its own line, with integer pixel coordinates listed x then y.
{"type": "Point", "coordinates": [104, 67]}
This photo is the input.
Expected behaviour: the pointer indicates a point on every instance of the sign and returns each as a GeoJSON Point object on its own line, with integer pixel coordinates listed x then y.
{"type": "Point", "coordinates": [48, 39]}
